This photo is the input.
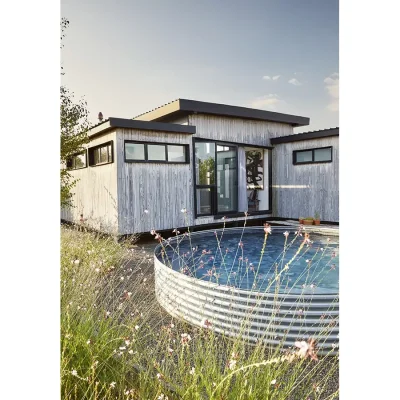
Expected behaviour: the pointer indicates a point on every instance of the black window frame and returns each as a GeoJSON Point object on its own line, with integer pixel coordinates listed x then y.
{"type": "Point", "coordinates": [91, 151]}
{"type": "Point", "coordinates": [295, 152]}
{"type": "Point", "coordinates": [146, 154]}
{"type": "Point", "coordinates": [70, 161]}
{"type": "Point", "coordinates": [213, 187]}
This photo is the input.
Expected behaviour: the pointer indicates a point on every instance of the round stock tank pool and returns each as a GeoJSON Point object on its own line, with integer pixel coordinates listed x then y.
{"type": "Point", "coordinates": [279, 286]}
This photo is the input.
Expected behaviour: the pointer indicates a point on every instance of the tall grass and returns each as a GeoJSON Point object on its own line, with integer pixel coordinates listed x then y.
{"type": "Point", "coordinates": [117, 342]}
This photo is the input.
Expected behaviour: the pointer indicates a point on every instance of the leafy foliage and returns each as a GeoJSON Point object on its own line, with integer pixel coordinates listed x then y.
{"type": "Point", "coordinates": [74, 125]}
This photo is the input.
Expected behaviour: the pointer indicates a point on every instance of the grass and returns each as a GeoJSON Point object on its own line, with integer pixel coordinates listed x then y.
{"type": "Point", "coordinates": [118, 343]}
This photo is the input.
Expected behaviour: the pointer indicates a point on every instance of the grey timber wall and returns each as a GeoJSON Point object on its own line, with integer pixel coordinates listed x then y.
{"type": "Point", "coordinates": [302, 190]}
{"type": "Point", "coordinates": [95, 193]}
{"type": "Point", "coordinates": [163, 189]}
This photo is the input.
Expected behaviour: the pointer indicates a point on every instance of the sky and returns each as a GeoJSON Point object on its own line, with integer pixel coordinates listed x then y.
{"type": "Point", "coordinates": [126, 57]}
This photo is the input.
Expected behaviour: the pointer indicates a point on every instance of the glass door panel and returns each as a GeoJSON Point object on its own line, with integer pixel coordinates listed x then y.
{"type": "Point", "coordinates": [227, 193]}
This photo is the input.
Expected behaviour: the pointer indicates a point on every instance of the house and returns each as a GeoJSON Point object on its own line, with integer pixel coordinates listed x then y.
{"type": "Point", "coordinates": [191, 163]}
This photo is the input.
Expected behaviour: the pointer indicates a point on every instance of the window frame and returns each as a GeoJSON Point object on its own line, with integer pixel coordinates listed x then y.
{"type": "Point", "coordinates": [70, 165]}
{"type": "Point", "coordinates": [91, 151]}
{"type": "Point", "coordinates": [295, 162]}
{"type": "Point", "coordinates": [146, 153]}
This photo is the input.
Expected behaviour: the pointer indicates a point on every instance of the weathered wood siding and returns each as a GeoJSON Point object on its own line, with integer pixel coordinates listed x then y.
{"type": "Point", "coordinates": [302, 190]}
{"type": "Point", "coordinates": [95, 194]}
{"type": "Point", "coordinates": [238, 130]}
{"type": "Point", "coordinates": [163, 189]}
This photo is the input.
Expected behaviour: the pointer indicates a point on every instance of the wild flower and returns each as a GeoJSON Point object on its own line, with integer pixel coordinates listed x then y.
{"type": "Point", "coordinates": [205, 323]}
{"type": "Point", "coordinates": [307, 349]}
{"type": "Point", "coordinates": [232, 364]}
{"type": "Point", "coordinates": [176, 231]}
{"type": "Point", "coordinates": [122, 348]}
{"type": "Point", "coordinates": [273, 382]}
{"type": "Point", "coordinates": [137, 327]}
{"type": "Point", "coordinates": [159, 376]}
{"type": "Point", "coordinates": [162, 396]}
{"type": "Point", "coordinates": [76, 262]}
{"type": "Point", "coordinates": [74, 372]}
{"type": "Point", "coordinates": [130, 351]}
{"type": "Point", "coordinates": [240, 244]}
{"type": "Point", "coordinates": [112, 384]}
{"type": "Point", "coordinates": [153, 232]}
{"type": "Point", "coordinates": [185, 339]}
{"type": "Point", "coordinates": [286, 234]}
{"type": "Point", "coordinates": [267, 228]}
{"type": "Point", "coordinates": [97, 269]}
{"type": "Point", "coordinates": [192, 371]}
{"type": "Point", "coordinates": [170, 351]}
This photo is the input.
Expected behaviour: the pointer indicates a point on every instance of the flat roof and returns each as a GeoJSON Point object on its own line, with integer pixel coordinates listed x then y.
{"type": "Point", "coordinates": [183, 107]}
{"type": "Point", "coordinates": [306, 136]}
{"type": "Point", "coordinates": [112, 123]}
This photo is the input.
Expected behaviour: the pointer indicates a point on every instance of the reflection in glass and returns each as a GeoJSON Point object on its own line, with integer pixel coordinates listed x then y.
{"type": "Point", "coordinates": [134, 151]}
{"type": "Point", "coordinates": [323, 154]}
{"type": "Point", "coordinates": [304, 156]}
{"type": "Point", "coordinates": [176, 153]}
{"type": "Point", "coordinates": [227, 178]}
{"type": "Point", "coordinates": [156, 152]}
{"type": "Point", "coordinates": [205, 163]}
{"type": "Point", "coordinates": [203, 197]}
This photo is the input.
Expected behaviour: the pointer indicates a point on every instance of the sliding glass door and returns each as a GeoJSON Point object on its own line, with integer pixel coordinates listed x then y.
{"type": "Point", "coordinates": [215, 178]}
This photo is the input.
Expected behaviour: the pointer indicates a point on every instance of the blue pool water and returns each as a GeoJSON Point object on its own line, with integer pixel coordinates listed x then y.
{"type": "Point", "coordinates": [233, 257]}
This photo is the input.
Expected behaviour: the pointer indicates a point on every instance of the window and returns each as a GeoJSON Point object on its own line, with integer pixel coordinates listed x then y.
{"type": "Point", "coordinates": [313, 156]}
{"type": "Point", "coordinates": [102, 154]}
{"type": "Point", "coordinates": [77, 161]}
{"type": "Point", "coordinates": [156, 152]}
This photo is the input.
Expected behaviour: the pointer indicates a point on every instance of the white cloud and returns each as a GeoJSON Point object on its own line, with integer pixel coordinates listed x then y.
{"type": "Point", "coordinates": [266, 78]}
{"type": "Point", "coordinates": [294, 82]}
{"type": "Point", "coordinates": [276, 77]}
{"type": "Point", "coordinates": [269, 101]}
{"type": "Point", "coordinates": [332, 87]}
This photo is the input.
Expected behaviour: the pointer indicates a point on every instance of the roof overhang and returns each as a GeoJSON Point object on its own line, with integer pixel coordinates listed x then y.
{"type": "Point", "coordinates": [306, 136]}
{"type": "Point", "coordinates": [113, 123]}
{"type": "Point", "coordinates": [182, 107]}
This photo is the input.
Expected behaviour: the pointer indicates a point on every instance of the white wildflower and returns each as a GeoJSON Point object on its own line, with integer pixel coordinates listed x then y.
{"type": "Point", "coordinates": [112, 384]}
{"type": "Point", "coordinates": [273, 382]}
{"type": "Point", "coordinates": [137, 327]}
{"type": "Point", "coordinates": [192, 371]}
{"type": "Point", "coordinates": [74, 373]}
{"type": "Point", "coordinates": [76, 262]}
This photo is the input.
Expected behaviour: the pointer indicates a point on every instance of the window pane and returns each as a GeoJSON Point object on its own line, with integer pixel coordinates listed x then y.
{"type": "Point", "coordinates": [226, 178]}
{"type": "Point", "coordinates": [156, 152]}
{"type": "Point", "coordinates": [323, 155]}
{"type": "Point", "coordinates": [304, 156]}
{"type": "Point", "coordinates": [103, 155]}
{"type": "Point", "coordinates": [176, 153]}
{"type": "Point", "coordinates": [96, 156]}
{"type": "Point", "coordinates": [80, 161]}
{"type": "Point", "coordinates": [205, 163]}
{"type": "Point", "coordinates": [203, 197]}
{"type": "Point", "coordinates": [134, 151]}
{"type": "Point", "coordinates": [109, 149]}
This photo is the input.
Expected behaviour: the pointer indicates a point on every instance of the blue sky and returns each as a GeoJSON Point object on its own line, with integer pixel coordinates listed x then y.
{"type": "Point", "coordinates": [127, 57]}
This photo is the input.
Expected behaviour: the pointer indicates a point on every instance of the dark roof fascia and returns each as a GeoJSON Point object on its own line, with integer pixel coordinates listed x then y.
{"type": "Point", "coordinates": [112, 123]}
{"type": "Point", "coordinates": [306, 136]}
{"type": "Point", "coordinates": [184, 106]}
